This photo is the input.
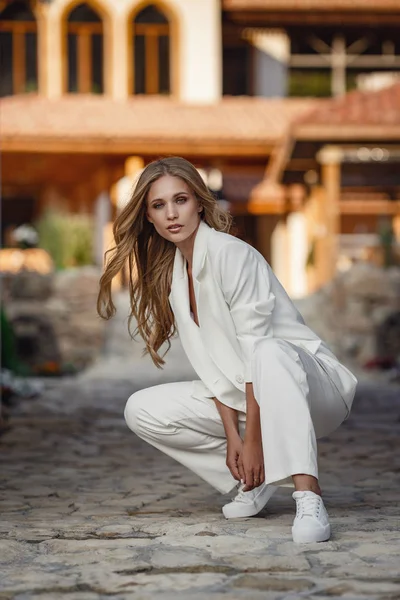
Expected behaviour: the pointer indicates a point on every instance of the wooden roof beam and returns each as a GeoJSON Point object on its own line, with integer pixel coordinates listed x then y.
{"type": "Point", "coordinates": [301, 18]}
{"type": "Point", "coordinates": [136, 146]}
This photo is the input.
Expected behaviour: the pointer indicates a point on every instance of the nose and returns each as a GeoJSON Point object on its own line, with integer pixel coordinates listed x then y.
{"type": "Point", "coordinates": [172, 211]}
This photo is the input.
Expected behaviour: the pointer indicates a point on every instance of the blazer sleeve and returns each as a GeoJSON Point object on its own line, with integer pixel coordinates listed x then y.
{"type": "Point", "coordinates": [245, 283]}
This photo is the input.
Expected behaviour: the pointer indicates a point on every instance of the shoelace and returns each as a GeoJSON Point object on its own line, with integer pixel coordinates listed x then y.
{"type": "Point", "coordinates": [244, 496]}
{"type": "Point", "coordinates": [308, 506]}
{"type": "Point", "coordinates": [241, 495]}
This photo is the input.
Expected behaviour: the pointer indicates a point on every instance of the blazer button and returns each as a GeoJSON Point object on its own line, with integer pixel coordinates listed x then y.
{"type": "Point", "coordinates": [239, 379]}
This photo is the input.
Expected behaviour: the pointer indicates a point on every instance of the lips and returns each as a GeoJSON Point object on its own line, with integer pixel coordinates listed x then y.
{"type": "Point", "coordinates": [175, 227]}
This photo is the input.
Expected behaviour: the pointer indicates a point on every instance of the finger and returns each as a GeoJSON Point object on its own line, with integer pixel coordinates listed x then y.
{"type": "Point", "coordinates": [238, 467]}
{"type": "Point", "coordinates": [235, 474]}
{"type": "Point", "coordinates": [258, 479]}
{"type": "Point", "coordinates": [235, 471]}
{"type": "Point", "coordinates": [232, 466]}
{"type": "Point", "coordinates": [241, 471]}
{"type": "Point", "coordinates": [249, 480]}
{"type": "Point", "coordinates": [262, 474]}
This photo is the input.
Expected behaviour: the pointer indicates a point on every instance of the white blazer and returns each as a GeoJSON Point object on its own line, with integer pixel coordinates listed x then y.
{"type": "Point", "coordinates": [239, 299]}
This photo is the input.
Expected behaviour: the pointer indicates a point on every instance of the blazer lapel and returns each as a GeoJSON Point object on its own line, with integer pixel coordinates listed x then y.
{"type": "Point", "coordinates": [179, 295]}
{"type": "Point", "coordinates": [200, 249]}
{"type": "Point", "coordinates": [199, 261]}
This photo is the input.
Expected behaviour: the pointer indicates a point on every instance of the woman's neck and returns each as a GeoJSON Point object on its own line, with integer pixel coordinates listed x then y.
{"type": "Point", "coordinates": [187, 248]}
{"type": "Point", "coordinates": [188, 255]}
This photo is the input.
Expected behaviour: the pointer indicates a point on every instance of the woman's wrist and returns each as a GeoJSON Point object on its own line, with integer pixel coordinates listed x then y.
{"type": "Point", "coordinates": [229, 417]}
{"type": "Point", "coordinates": [231, 430]}
{"type": "Point", "coordinates": [232, 435]}
{"type": "Point", "coordinates": [252, 432]}
{"type": "Point", "coordinates": [252, 435]}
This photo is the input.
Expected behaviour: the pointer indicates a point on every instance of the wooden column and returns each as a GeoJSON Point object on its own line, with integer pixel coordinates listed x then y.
{"type": "Point", "coordinates": [328, 228]}
{"type": "Point", "coordinates": [339, 63]}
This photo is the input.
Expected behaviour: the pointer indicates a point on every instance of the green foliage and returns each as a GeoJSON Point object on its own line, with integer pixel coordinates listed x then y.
{"type": "Point", "coordinates": [31, 86]}
{"type": "Point", "coordinates": [310, 261]}
{"type": "Point", "coordinates": [310, 82]}
{"type": "Point", "coordinates": [386, 241]}
{"type": "Point", "coordinates": [9, 355]}
{"type": "Point", "coordinates": [68, 238]}
{"type": "Point", "coordinates": [96, 89]}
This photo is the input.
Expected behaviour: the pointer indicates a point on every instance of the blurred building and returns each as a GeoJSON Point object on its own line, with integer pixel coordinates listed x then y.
{"type": "Point", "coordinates": [92, 91]}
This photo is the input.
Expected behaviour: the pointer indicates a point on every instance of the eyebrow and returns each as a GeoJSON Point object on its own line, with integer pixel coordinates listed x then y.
{"type": "Point", "coordinates": [174, 196]}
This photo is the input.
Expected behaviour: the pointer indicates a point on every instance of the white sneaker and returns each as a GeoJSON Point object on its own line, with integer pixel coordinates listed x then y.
{"type": "Point", "coordinates": [311, 523]}
{"type": "Point", "coordinates": [248, 504]}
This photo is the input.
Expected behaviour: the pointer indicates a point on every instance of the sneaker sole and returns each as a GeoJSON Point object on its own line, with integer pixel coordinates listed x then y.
{"type": "Point", "coordinates": [309, 537]}
{"type": "Point", "coordinates": [238, 511]}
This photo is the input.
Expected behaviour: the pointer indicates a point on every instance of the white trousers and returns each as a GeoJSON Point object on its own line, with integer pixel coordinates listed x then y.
{"type": "Point", "coordinates": [298, 404]}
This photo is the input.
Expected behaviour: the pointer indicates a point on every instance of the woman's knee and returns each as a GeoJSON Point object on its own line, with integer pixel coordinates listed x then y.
{"type": "Point", "coordinates": [134, 410]}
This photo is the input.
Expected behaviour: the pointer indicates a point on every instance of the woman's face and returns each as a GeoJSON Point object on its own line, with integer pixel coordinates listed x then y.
{"type": "Point", "coordinates": [173, 208]}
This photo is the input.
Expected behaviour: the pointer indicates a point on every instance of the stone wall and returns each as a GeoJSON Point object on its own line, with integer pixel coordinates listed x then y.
{"type": "Point", "coordinates": [358, 313]}
{"type": "Point", "coordinates": [54, 317]}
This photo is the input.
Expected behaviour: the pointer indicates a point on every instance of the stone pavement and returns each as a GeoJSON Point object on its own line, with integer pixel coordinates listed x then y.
{"type": "Point", "coordinates": [89, 511]}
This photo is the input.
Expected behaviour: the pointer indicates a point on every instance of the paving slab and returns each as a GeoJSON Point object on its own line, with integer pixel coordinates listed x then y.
{"type": "Point", "coordinates": [90, 512]}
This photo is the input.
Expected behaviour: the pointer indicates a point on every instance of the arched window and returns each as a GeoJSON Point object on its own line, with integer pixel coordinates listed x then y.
{"type": "Point", "coordinates": [18, 49]}
{"type": "Point", "coordinates": [85, 51]}
{"type": "Point", "coordinates": [151, 52]}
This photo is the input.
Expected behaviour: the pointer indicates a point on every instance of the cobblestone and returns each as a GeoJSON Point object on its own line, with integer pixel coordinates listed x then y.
{"type": "Point", "coordinates": [89, 511]}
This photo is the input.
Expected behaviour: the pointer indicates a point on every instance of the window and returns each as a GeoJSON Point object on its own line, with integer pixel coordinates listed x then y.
{"type": "Point", "coordinates": [85, 51]}
{"type": "Point", "coordinates": [151, 52]}
{"type": "Point", "coordinates": [237, 70]}
{"type": "Point", "coordinates": [18, 50]}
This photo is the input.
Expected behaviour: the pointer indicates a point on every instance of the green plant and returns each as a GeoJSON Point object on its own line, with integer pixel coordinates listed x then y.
{"type": "Point", "coordinates": [96, 89]}
{"type": "Point", "coordinates": [68, 238]}
{"type": "Point", "coordinates": [386, 241]}
{"type": "Point", "coordinates": [31, 86]}
{"type": "Point", "coordinates": [310, 261]}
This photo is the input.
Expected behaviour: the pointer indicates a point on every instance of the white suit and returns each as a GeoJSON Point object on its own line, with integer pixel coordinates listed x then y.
{"type": "Point", "coordinates": [250, 331]}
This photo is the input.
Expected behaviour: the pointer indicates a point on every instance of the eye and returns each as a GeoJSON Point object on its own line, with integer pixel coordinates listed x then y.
{"type": "Point", "coordinates": [157, 205]}
{"type": "Point", "coordinates": [182, 199]}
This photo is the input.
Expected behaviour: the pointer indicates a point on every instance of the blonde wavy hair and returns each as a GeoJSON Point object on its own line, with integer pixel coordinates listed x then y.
{"type": "Point", "coordinates": [150, 257]}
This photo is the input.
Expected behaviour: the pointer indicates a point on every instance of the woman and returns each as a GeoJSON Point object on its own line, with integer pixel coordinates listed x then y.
{"type": "Point", "coordinates": [268, 386]}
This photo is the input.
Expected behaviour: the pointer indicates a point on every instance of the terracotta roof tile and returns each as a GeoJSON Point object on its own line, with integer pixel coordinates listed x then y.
{"type": "Point", "coordinates": [360, 108]}
{"type": "Point", "coordinates": [83, 118]}
{"type": "Point", "coordinates": [319, 5]}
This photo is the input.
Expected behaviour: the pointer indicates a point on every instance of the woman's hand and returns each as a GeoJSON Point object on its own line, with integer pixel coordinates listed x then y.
{"type": "Point", "coordinates": [251, 464]}
{"type": "Point", "coordinates": [233, 452]}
